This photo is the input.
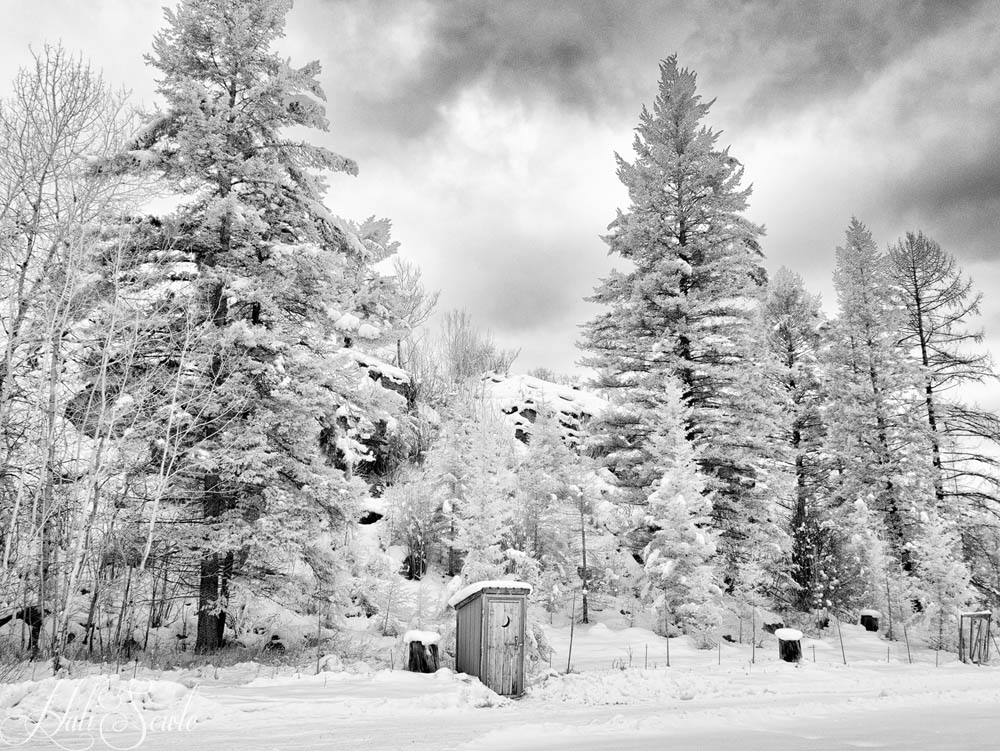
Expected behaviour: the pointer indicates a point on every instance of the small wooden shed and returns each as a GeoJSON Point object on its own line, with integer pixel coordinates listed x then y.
{"type": "Point", "coordinates": [489, 638]}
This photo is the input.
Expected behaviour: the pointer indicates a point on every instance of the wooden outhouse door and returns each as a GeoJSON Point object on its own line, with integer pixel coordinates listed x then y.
{"type": "Point", "coordinates": [504, 646]}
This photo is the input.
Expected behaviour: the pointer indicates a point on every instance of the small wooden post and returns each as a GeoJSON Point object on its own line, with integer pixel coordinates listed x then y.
{"type": "Point", "coordinates": [906, 638]}
{"type": "Point", "coordinates": [319, 633]}
{"type": "Point", "coordinates": [572, 623]}
{"type": "Point", "coordinates": [840, 635]}
{"type": "Point", "coordinates": [666, 618]}
{"type": "Point", "coordinates": [888, 597]}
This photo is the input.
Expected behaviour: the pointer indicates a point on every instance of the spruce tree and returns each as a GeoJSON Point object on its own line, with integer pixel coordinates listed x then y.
{"type": "Point", "coordinates": [794, 323]}
{"type": "Point", "coordinates": [875, 438]}
{"type": "Point", "coordinates": [687, 307]}
{"type": "Point", "coordinates": [281, 286]}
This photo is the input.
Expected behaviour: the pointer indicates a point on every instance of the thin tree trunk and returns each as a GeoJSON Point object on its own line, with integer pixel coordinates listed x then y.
{"type": "Point", "coordinates": [585, 576]}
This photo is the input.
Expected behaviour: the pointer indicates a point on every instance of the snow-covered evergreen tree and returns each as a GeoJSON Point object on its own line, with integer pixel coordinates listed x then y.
{"type": "Point", "coordinates": [680, 559]}
{"type": "Point", "coordinates": [875, 437]}
{"type": "Point", "coordinates": [864, 571]}
{"type": "Point", "coordinates": [794, 323]}
{"type": "Point", "coordinates": [941, 578]}
{"type": "Point", "coordinates": [687, 307]}
{"type": "Point", "coordinates": [472, 468]}
{"type": "Point", "coordinates": [281, 286]}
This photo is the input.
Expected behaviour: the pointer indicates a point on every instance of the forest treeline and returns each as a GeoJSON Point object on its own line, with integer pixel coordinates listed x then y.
{"type": "Point", "coordinates": [199, 405]}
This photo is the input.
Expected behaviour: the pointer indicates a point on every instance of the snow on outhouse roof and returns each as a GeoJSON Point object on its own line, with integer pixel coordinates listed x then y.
{"type": "Point", "coordinates": [467, 592]}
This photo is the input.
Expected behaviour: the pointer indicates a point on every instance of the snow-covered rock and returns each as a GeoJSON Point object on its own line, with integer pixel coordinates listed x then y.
{"type": "Point", "coordinates": [522, 398]}
{"type": "Point", "coordinates": [331, 664]}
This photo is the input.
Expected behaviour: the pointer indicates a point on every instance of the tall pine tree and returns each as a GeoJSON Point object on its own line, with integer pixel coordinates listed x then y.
{"type": "Point", "coordinates": [687, 307]}
{"type": "Point", "coordinates": [280, 288]}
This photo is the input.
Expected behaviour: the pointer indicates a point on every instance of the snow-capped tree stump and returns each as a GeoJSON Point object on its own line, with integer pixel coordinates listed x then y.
{"type": "Point", "coordinates": [423, 651]}
{"type": "Point", "coordinates": [789, 644]}
{"type": "Point", "coordinates": [869, 619]}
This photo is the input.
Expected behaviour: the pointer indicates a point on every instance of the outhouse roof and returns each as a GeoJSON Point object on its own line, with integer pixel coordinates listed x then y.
{"type": "Point", "coordinates": [466, 592]}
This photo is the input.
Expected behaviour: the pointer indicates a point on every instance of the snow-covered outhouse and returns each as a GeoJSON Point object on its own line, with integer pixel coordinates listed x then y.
{"type": "Point", "coordinates": [489, 638]}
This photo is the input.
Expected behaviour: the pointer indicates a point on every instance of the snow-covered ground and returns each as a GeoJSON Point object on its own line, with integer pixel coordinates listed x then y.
{"type": "Point", "coordinates": [620, 694]}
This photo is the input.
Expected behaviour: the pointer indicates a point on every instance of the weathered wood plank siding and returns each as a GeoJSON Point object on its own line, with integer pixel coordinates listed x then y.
{"type": "Point", "coordinates": [469, 637]}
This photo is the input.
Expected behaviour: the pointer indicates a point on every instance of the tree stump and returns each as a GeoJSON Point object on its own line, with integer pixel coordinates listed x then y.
{"type": "Point", "coordinates": [417, 662]}
{"type": "Point", "coordinates": [423, 651]}
{"type": "Point", "coordinates": [789, 644]}
{"type": "Point", "coordinates": [869, 619]}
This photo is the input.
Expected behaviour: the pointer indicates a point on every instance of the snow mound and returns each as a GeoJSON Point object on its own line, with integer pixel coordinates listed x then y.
{"type": "Point", "coordinates": [385, 693]}
{"type": "Point", "coordinates": [331, 664]}
{"type": "Point", "coordinates": [100, 704]}
{"type": "Point", "coordinates": [470, 693]}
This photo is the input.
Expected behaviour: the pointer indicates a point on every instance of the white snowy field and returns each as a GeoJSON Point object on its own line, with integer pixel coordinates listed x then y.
{"type": "Point", "coordinates": [708, 700]}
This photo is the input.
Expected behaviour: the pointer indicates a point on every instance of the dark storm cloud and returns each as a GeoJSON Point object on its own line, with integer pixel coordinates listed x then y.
{"type": "Point", "coordinates": [956, 200]}
{"type": "Point", "coordinates": [788, 54]}
{"type": "Point", "coordinates": [600, 56]}
{"type": "Point", "coordinates": [578, 54]}
{"type": "Point", "coordinates": [897, 102]}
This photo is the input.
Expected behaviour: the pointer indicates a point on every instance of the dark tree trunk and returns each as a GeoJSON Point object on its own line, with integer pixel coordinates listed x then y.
{"type": "Point", "coordinates": [215, 569]}
{"type": "Point", "coordinates": [422, 659]}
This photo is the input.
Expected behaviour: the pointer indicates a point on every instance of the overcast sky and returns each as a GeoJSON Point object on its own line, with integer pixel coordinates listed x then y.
{"type": "Point", "coordinates": [486, 129]}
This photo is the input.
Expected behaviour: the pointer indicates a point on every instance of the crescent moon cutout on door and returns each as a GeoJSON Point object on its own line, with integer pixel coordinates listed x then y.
{"type": "Point", "coordinates": [506, 622]}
